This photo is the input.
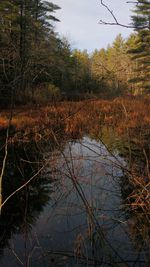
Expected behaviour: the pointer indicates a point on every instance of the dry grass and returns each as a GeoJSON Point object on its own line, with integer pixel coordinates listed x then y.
{"type": "Point", "coordinates": [77, 118]}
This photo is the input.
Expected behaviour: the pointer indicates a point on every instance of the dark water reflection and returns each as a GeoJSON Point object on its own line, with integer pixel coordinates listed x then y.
{"type": "Point", "coordinates": [73, 213]}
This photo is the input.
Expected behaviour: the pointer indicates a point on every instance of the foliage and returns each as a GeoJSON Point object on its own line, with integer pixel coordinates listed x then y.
{"type": "Point", "coordinates": [30, 49]}
{"type": "Point", "coordinates": [32, 54]}
{"type": "Point", "coordinates": [141, 51]}
{"type": "Point", "coordinates": [46, 95]}
{"type": "Point", "coordinates": [110, 67]}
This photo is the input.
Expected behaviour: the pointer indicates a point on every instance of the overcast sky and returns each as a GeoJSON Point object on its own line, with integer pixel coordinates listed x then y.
{"type": "Point", "coordinates": [80, 22]}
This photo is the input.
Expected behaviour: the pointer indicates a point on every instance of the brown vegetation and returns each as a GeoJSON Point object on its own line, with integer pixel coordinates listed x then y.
{"type": "Point", "coordinates": [77, 118]}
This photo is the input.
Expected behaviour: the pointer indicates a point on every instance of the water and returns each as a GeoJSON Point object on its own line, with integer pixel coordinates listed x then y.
{"type": "Point", "coordinates": [73, 213]}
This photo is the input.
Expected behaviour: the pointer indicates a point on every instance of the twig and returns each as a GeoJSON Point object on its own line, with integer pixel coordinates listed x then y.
{"type": "Point", "coordinates": [5, 157]}
{"type": "Point", "coordinates": [116, 22]}
{"type": "Point", "coordinates": [147, 163]}
{"type": "Point", "coordinates": [3, 167]}
{"type": "Point", "coordinates": [89, 211]}
{"type": "Point", "coordinates": [24, 185]}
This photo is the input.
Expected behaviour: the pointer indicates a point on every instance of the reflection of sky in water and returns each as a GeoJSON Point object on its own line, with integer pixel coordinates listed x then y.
{"type": "Point", "coordinates": [64, 219]}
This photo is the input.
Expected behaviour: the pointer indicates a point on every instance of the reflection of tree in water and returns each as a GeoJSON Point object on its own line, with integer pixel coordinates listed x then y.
{"type": "Point", "coordinates": [135, 184]}
{"type": "Point", "coordinates": [138, 220]}
{"type": "Point", "coordinates": [23, 209]}
{"type": "Point", "coordinates": [136, 200]}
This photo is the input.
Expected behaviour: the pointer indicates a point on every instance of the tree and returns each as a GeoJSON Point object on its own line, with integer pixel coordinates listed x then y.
{"type": "Point", "coordinates": [100, 72]}
{"type": "Point", "coordinates": [141, 19]}
{"type": "Point", "coordinates": [118, 64]}
{"type": "Point", "coordinates": [9, 56]}
{"type": "Point", "coordinates": [141, 51]}
{"type": "Point", "coordinates": [110, 67]}
{"type": "Point", "coordinates": [26, 35]}
{"type": "Point", "coordinates": [81, 71]}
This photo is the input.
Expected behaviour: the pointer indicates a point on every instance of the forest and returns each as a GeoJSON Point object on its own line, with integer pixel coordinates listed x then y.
{"type": "Point", "coordinates": [37, 65]}
{"type": "Point", "coordinates": [74, 142]}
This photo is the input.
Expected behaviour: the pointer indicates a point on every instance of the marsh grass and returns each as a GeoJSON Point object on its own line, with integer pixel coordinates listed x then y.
{"type": "Point", "coordinates": [78, 118]}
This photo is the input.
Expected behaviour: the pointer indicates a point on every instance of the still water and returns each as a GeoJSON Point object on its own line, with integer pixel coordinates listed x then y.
{"type": "Point", "coordinates": [73, 213]}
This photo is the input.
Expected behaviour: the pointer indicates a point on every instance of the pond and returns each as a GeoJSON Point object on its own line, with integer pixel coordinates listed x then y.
{"type": "Point", "coordinates": [73, 213]}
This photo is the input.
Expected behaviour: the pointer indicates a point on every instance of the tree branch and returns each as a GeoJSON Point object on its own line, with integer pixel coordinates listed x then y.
{"type": "Point", "coordinates": [110, 11]}
{"type": "Point", "coordinates": [116, 22]}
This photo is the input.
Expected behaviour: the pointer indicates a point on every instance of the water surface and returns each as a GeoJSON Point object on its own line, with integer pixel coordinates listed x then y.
{"type": "Point", "coordinates": [73, 213]}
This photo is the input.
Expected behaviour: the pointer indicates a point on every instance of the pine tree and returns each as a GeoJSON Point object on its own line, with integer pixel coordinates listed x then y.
{"type": "Point", "coordinates": [141, 52]}
{"type": "Point", "coordinates": [141, 19]}
{"type": "Point", "coordinates": [9, 57]}
{"type": "Point", "coordinates": [26, 38]}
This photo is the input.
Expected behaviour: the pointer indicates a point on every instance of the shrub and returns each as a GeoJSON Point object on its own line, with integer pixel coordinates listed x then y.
{"type": "Point", "coordinates": [46, 94]}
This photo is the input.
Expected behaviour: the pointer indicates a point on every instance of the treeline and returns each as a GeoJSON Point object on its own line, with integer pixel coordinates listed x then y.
{"type": "Point", "coordinates": [37, 66]}
{"type": "Point", "coordinates": [32, 55]}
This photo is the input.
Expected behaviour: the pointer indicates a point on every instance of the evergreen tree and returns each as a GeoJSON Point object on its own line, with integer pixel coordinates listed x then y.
{"type": "Point", "coordinates": [100, 72]}
{"type": "Point", "coordinates": [81, 71]}
{"type": "Point", "coordinates": [141, 19]}
{"type": "Point", "coordinates": [141, 51]}
{"type": "Point", "coordinates": [110, 67]}
{"type": "Point", "coordinates": [26, 38]}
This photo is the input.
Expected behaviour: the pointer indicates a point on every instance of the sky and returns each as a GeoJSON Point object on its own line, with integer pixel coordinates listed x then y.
{"type": "Point", "coordinates": [80, 22]}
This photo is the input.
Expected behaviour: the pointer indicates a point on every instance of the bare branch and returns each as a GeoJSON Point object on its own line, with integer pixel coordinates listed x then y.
{"type": "Point", "coordinates": [131, 2]}
{"type": "Point", "coordinates": [110, 11]}
{"type": "Point", "coordinates": [3, 167]}
{"type": "Point", "coordinates": [24, 185]}
{"type": "Point", "coordinates": [116, 22]}
{"type": "Point", "coordinates": [5, 157]}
